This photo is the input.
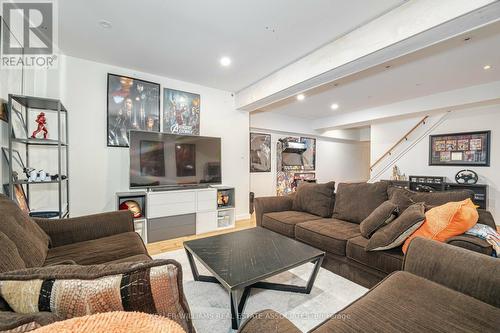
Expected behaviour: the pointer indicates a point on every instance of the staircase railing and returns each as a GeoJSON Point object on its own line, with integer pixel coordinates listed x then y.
{"type": "Point", "coordinates": [406, 150]}
{"type": "Point", "coordinates": [404, 138]}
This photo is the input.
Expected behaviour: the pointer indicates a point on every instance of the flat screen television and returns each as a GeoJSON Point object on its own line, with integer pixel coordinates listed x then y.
{"type": "Point", "coordinates": [163, 160]}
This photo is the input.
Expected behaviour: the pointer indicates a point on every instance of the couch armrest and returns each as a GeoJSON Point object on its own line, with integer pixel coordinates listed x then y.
{"type": "Point", "coordinates": [265, 205]}
{"type": "Point", "coordinates": [485, 217]}
{"type": "Point", "coordinates": [18, 322]}
{"type": "Point", "coordinates": [465, 271]}
{"type": "Point", "coordinates": [79, 229]}
{"type": "Point", "coordinates": [268, 321]}
{"type": "Point", "coordinates": [472, 243]}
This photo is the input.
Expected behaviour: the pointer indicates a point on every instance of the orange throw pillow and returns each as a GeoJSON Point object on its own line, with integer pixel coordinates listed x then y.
{"type": "Point", "coordinates": [448, 220]}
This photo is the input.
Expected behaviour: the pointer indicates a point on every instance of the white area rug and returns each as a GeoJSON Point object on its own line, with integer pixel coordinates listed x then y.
{"type": "Point", "coordinates": [210, 307]}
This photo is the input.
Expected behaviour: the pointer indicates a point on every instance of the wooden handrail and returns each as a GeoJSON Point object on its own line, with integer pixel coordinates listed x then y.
{"type": "Point", "coordinates": [404, 138]}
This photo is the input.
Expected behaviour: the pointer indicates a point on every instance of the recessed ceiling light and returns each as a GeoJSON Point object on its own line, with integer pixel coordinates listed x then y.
{"type": "Point", "coordinates": [486, 67]}
{"type": "Point", "coordinates": [225, 61]}
{"type": "Point", "coordinates": [105, 24]}
{"type": "Point", "coordinates": [301, 97]}
{"type": "Point", "coordinates": [334, 106]}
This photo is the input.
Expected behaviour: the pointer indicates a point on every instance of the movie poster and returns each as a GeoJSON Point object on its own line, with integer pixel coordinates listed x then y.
{"type": "Point", "coordinates": [260, 152]}
{"type": "Point", "coordinates": [181, 112]}
{"type": "Point", "coordinates": [132, 105]}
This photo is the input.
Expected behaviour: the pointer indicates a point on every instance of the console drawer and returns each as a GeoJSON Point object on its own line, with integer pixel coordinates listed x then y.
{"type": "Point", "coordinates": [163, 228]}
{"type": "Point", "coordinates": [171, 203]}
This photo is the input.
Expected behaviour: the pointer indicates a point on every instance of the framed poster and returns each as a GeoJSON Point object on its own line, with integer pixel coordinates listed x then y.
{"type": "Point", "coordinates": [18, 166]}
{"type": "Point", "coordinates": [309, 156]}
{"type": "Point", "coordinates": [19, 196]}
{"type": "Point", "coordinates": [461, 149]}
{"type": "Point", "coordinates": [181, 112]}
{"type": "Point", "coordinates": [260, 152]}
{"type": "Point", "coordinates": [132, 104]}
{"type": "Point", "coordinates": [3, 111]}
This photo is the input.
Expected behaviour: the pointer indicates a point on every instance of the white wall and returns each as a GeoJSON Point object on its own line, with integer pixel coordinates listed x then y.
{"type": "Point", "coordinates": [415, 162]}
{"type": "Point", "coordinates": [335, 160]}
{"type": "Point", "coordinates": [98, 172]}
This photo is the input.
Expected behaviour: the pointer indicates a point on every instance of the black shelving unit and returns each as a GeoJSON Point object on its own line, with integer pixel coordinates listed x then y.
{"type": "Point", "coordinates": [27, 104]}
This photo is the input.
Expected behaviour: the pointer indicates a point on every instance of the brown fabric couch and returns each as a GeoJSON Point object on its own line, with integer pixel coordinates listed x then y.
{"type": "Point", "coordinates": [455, 291]}
{"type": "Point", "coordinates": [340, 237]}
{"type": "Point", "coordinates": [50, 245]}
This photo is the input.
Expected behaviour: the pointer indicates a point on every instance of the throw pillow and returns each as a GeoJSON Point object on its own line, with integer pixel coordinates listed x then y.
{"type": "Point", "coordinates": [384, 214]}
{"type": "Point", "coordinates": [395, 233]}
{"type": "Point", "coordinates": [317, 199]}
{"type": "Point", "coordinates": [355, 201]}
{"type": "Point", "coordinates": [400, 199]}
{"type": "Point", "coordinates": [445, 221]}
{"type": "Point", "coordinates": [73, 291]}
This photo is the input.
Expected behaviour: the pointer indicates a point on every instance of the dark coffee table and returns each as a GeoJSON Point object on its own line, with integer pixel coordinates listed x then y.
{"type": "Point", "coordinates": [240, 261]}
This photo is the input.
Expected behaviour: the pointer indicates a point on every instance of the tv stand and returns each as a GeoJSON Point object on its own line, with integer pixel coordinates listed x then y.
{"type": "Point", "coordinates": [185, 211]}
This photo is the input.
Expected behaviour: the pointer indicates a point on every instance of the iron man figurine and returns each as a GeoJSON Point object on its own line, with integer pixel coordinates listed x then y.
{"type": "Point", "coordinates": [41, 121]}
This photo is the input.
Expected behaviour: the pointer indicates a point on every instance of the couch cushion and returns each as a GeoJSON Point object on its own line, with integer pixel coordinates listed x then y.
{"type": "Point", "coordinates": [98, 251]}
{"type": "Point", "coordinates": [10, 260]}
{"type": "Point", "coordinates": [407, 303]}
{"type": "Point", "coordinates": [31, 251]}
{"type": "Point", "coordinates": [31, 241]}
{"type": "Point", "coordinates": [431, 198]}
{"type": "Point", "coordinates": [317, 199]}
{"type": "Point", "coordinates": [284, 222]}
{"type": "Point", "coordinates": [355, 201]}
{"type": "Point", "coordinates": [329, 235]}
{"type": "Point", "coordinates": [385, 261]}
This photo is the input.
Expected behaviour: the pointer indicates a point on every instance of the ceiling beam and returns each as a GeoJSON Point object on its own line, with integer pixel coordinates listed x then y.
{"type": "Point", "coordinates": [483, 94]}
{"type": "Point", "coordinates": [408, 28]}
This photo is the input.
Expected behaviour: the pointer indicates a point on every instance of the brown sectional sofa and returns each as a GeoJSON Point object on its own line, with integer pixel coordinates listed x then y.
{"type": "Point", "coordinates": [61, 246]}
{"type": "Point", "coordinates": [455, 291]}
{"type": "Point", "coordinates": [342, 240]}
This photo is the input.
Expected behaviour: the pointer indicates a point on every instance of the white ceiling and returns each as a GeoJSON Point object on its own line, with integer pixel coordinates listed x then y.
{"type": "Point", "coordinates": [450, 65]}
{"type": "Point", "coordinates": [184, 39]}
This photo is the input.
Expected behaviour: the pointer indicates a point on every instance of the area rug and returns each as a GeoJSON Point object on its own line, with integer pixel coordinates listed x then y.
{"type": "Point", "coordinates": [209, 302]}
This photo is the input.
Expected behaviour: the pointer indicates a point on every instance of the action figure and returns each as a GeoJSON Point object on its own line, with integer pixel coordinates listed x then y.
{"type": "Point", "coordinates": [41, 121]}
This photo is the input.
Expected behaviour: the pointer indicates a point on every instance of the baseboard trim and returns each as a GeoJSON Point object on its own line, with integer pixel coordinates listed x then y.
{"type": "Point", "coordinates": [243, 217]}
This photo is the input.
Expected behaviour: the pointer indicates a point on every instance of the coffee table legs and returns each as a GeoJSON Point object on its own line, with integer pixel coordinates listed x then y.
{"type": "Point", "coordinates": [292, 288]}
{"type": "Point", "coordinates": [238, 306]}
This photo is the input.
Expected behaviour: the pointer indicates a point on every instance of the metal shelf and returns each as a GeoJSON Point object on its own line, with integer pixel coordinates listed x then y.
{"type": "Point", "coordinates": [39, 103]}
{"type": "Point", "coordinates": [39, 142]}
{"type": "Point", "coordinates": [27, 182]}
{"type": "Point", "coordinates": [28, 104]}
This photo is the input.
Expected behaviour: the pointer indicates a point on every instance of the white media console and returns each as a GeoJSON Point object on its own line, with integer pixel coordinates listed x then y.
{"type": "Point", "coordinates": [181, 212]}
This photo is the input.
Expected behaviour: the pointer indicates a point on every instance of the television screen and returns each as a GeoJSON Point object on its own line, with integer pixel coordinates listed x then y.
{"type": "Point", "coordinates": [160, 159]}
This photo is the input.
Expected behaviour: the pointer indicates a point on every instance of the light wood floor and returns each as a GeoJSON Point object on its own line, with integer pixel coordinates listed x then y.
{"type": "Point", "coordinates": [177, 243]}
